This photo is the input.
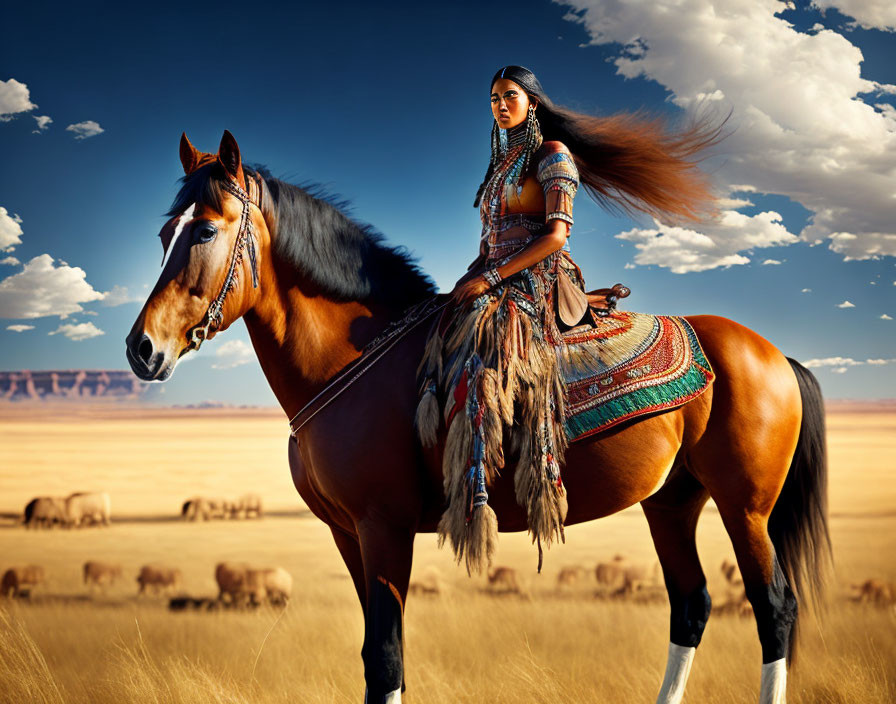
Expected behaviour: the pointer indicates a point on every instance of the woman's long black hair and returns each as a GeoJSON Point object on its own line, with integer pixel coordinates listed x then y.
{"type": "Point", "coordinates": [628, 163]}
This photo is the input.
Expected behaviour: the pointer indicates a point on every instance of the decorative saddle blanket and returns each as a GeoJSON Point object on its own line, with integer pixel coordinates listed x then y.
{"type": "Point", "coordinates": [628, 365]}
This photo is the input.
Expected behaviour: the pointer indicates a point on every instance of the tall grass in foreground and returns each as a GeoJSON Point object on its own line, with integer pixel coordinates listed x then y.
{"type": "Point", "coordinates": [470, 650]}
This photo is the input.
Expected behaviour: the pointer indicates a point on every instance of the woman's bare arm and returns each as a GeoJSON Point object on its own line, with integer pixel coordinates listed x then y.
{"type": "Point", "coordinates": [552, 239]}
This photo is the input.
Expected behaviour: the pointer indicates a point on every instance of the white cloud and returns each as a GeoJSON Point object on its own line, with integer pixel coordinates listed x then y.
{"type": "Point", "coordinates": [803, 127]}
{"type": "Point", "coordinates": [767, 262]}
{"type": "Point", "coordinates": [83, 130]}
{"type": "Point", "coordinates": [831, 362]}
{"type": "Point", "coordinates": [14, 98]}
{"type": "Point", "coordinates": [868, 14]}
{"type": "Point", "coordinates": [118, 296]}
{"type": "Point", "coordinates": [683, 250]}
{"type": "Point", "coordinates": [10, 230]}
{"type": "Point", "coordinates": [233, 353]}
{"type": "Point", "coordinates": [871, 245]}
{"type": "Point", "coordinates": [734, 203]}
{"type": "Point", "coordinates": [10, 261]}
{"type": "Point", "coordinates": [43, 121]}
{"type": "Point", "coordinates": [839, 365]}
{"type": "Point", "coordinates": [19, 327]}
{"type": "Point", "coordinates": [81, 331]}
{"type": "Point", "coordinates": [846, 304]}
{"type": "Point", "coordinates": [42, 289]}
{"type": "Point", "coordinates": [806, 290]}
{"type": "Point", "coordinates": [885, 317]}
{"type": "Point", "coordinates": [629, 265]}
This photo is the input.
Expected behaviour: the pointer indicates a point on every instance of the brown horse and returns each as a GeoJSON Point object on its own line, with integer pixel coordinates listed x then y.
{"type": "Point", "coordinates": [315, 288]}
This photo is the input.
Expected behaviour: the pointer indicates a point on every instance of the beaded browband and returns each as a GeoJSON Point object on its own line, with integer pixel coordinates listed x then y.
{"type": "Point", "coordinates": [214, 316]}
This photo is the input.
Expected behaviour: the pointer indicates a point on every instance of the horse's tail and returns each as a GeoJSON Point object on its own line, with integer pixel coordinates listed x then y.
{"type": "Point", "coordinates": [798, 525]}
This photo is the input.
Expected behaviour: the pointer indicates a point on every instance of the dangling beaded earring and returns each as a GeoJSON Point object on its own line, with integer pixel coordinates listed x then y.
{"type": "Point", "coordinates": [533, 140]}
{"type": "Point", "coordinates": [496, 140]}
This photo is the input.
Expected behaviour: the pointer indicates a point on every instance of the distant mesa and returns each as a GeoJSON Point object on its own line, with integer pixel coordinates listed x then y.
{"type": "Point", "coordinates": [74, 384]}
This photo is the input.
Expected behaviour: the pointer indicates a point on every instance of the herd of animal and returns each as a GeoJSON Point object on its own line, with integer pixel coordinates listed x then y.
{"type": "Point", "coordinates": [76, 510]}
{"type": "Point", "coordinates": [201, 508]}
{"type": "Point", "coordinates": [242, 585]}
{"type": "Point", "coordinates": [94, 509]}
{"type": "Point", "coordinates": [239, 584]}
{"type": "Point", "coordinates": [621, 578]}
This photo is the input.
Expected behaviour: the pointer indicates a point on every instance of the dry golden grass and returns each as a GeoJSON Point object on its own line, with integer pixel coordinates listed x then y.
{"type": "Point", "coordinates": [67, 645]}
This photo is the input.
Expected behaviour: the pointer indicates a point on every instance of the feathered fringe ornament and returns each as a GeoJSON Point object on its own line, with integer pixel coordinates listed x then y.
{"type": "Point", "coordinates": [499, 375]}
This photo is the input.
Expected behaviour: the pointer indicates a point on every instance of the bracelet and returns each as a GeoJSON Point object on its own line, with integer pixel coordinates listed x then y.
{"type": "Point", "coordinates": [492, 277]}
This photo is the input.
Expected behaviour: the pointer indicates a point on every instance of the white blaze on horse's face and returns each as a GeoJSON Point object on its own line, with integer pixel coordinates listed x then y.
{"type": "Point", "coordinates": [185, 217]}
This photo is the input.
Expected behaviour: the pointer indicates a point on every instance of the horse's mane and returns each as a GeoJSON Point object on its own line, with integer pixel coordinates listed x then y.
{"type": "Point", "coordinates": [347, 260]}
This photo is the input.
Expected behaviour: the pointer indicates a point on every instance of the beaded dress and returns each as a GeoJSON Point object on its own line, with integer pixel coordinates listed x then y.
{"type": "Point", "coordinates": [493, 365]}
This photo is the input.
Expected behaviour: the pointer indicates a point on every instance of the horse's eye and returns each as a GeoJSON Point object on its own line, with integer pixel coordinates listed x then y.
{"type": "Point", "coordinates": [205, 232]}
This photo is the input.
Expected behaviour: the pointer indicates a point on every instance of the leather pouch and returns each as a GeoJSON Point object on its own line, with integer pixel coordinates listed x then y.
{"type": "Point", "coordinates": [572, 302]}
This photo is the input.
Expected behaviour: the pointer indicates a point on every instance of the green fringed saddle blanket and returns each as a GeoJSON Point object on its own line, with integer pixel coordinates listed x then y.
{"type": "Point", "coordinates": [628, 365]}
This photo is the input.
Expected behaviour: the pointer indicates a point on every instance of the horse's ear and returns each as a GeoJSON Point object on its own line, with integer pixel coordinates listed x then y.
{"type": "Point", "coordinates": [189, 156]}
{"type": "Point", "coordinates": [229, 154]}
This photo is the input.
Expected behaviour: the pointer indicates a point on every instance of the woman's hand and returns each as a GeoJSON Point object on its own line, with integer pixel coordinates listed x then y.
{"type": "Point", "coordinates": [468, 290]}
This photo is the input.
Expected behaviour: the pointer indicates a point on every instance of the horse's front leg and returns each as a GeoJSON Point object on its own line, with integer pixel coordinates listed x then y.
{"type": "Point", "coordinates": [387, 553]}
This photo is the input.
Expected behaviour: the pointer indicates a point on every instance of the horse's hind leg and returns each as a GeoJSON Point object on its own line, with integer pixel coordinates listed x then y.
{"type": "Point", "coordinates": [774, 604]}
{"type": "Point", "coordinates": [672, 514]}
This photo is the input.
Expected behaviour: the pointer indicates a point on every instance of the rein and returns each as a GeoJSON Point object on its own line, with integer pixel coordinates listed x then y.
{"type": "Point", "coordinates": [372, 353]}
{"type": "Point", "coordinates": [244, 238]}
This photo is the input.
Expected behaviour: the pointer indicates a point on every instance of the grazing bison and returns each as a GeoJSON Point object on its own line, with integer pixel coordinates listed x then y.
{"type": "Point", "coordinates": [44, 511]}
{"type": "Point", "coordinates": [101, 574]}
{"type": "Point", "coordinates": [201, 508]}
{"type": "Point", "coordinates": [82, 508]}
{"type": "Point", "coordinates": [503, 580]}
{"type": "Point", "coordinates": [240, 584]}
{"type": "Point", "coordinates": [248, 506]}
{"type": "Point", "coordinates": [18, 581]}
{"type": "Point", "coordinates": [734, 598]}
{"type": "Point", "coordinates": [273, 583]}
{"type": "Point", "coordinates": [158, 578]}
{"type": "Point", "coordinates": [874, 591]}
{"type": "Point", "coordinates": [429, 584]}
{"type": "Point", "coordinates": [570, 576]}
{"type": "Point", "coordinates": [621, 577]}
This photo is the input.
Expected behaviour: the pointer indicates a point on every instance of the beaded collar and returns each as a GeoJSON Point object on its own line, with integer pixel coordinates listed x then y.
{"type": "Point", "coordinates": [514, 137]}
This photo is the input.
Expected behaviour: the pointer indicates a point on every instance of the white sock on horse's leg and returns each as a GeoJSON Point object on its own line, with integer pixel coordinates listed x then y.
{"type": "Point", "coordinates": [773, 689]}
{"type": "Point", "coordinates": [390, 698]}
{"type": "Point", "coordinates": [678, 667]}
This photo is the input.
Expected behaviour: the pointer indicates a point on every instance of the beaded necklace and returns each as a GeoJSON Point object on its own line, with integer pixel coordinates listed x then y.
{"type": "Point", "coordinates": [514, 157]}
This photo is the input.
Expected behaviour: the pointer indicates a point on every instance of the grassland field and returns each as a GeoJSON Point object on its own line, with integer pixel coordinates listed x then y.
{"type": "Point", "coordinates": [68, 643]}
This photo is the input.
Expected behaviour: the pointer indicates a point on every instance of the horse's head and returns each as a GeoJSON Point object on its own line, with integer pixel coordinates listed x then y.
{"type": "Point", "coordinates": [212, 248]}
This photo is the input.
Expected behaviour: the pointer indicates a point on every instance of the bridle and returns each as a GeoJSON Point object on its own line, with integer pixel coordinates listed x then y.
{"type": "Point", "coordinates": [245, 238]}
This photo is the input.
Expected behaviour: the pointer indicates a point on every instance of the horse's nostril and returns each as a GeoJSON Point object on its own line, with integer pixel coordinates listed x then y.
{"type": "Point", "coordinates": [144, 351]}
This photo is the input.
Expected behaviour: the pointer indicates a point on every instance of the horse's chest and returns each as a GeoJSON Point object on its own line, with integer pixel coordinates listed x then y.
{"type": "Point", "coordinates": [319, 502]}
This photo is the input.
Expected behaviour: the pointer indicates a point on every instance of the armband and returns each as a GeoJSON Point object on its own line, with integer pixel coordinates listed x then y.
{"type": "Point", "coordinates": [559, 178]}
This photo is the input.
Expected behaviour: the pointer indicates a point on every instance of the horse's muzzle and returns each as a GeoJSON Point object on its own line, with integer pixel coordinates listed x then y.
{"type": "Point", "coordinates": [146, 362]}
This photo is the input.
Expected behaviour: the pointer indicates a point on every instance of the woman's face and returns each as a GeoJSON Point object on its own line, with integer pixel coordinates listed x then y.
{"type": "Point", "coordinates": [510, 103]}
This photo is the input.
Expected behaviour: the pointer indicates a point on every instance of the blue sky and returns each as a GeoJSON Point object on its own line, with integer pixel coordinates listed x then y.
{"type": "Point", "coordinates": [387, 105]}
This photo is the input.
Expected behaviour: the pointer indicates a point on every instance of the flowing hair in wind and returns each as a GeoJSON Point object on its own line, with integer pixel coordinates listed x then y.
{"type": "Point", "coordinates": [630, 163]}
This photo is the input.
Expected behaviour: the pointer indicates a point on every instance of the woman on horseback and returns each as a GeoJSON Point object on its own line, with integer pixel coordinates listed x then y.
{"type": "Point", "coordinates": [497, 355]}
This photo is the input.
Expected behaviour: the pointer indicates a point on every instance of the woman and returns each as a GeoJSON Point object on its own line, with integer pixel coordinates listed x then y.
{"type": "Point", "coordinates": [495, 355]}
